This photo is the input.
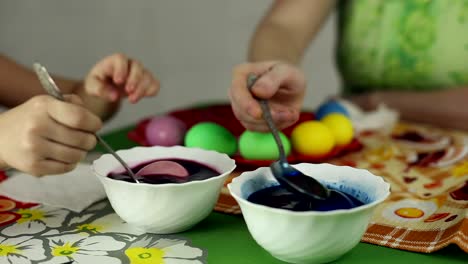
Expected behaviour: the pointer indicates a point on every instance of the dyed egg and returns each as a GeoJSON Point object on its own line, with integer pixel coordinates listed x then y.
{"type": "Point", "coordinates": [312, 138]}
{"type": "Point", "coordinates": [341, 128]}
{"type": "Point", "coordinates": [261, 146]}
{"type": "Point", "coordinates": [211, 136]}
{"type": "Point", "coordinates": [330, 107]}
{"type": "Point", "coordinates": [165, 131]}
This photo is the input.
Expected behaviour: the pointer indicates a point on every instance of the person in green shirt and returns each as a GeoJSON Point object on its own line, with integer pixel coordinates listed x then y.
{"type": "Point", "coordinates": [411, 55]}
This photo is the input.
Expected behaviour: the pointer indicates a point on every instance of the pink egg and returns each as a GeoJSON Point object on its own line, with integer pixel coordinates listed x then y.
{"type": "Point", "coordinates": [164, 167]}
{"type": "Point", "coordinates": [165, 131]}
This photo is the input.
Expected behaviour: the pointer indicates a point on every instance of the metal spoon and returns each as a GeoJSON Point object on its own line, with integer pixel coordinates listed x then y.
{"type": "Point", "coordinates": [289, 177]}
{"type": "Point", "coordinates": [53, 90]}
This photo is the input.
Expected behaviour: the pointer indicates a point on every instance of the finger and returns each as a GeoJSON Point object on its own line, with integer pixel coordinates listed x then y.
{"type": "Point", "coordinates": [121, 65]}
{"type": "Point", "coordinates": [284, 116]}
{"type": "Point", "coordinates": [51, 167]}
{"type": "Point", "coordinates": [239, 93]}
{"type": "Point", "coordinates": [242, 100]}
{"type": "Point", "coordinates": [102, 89]}
{"type": "Point", "coordinates": [258, 127]}
{"type": "Point", "coordinates": [153, 87]}
{"type": "Point", "coordinates": [268, 84]}
{"type": "Point", "coordinates": [62, 153]}
{"type": "Point", "coordinates": [279, 75]}
{"type": "Point", "coordinates": [74, 116]}
{"type": "Point", "coordinates": [243, 116]}
{"type": "Point", "coordinates": [150, 84]}
{"type": "Point", "coordinates": [142, 87]}
{"type": "Point", "coordinates": [289, 78]}
{"type": "Point", "coordinates": [70, 137]}
{"type": "Point", "coordinates": [264, 127]}
{"type": "Point", "coordinates": [257, 68]}
{"type": "Point", "coordinates": [281, 119]}
{"type": "Point", "coordinates": [134, 77]}
{"type": "Point", "coordinates": [114, 67]}
{"type": "Point", "coordinates": [74, 99]}
{"type": "Point", "coordinates": [46, 149]}
{"type": "Point", "coordinates": [244, 105]}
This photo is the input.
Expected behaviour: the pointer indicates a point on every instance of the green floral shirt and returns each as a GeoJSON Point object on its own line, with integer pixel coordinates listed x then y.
{"type": "Point", "coordinates": [403, 44]}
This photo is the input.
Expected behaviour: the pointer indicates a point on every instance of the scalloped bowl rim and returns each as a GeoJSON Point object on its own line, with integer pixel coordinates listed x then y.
{"type": "Point", "coordinates": [124, 152]}
{"type": "Point", "coordinates": [379, 181]}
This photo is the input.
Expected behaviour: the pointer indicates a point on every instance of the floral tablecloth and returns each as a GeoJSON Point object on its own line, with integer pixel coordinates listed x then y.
{"type": "Point", "coordinates": [31, 233]}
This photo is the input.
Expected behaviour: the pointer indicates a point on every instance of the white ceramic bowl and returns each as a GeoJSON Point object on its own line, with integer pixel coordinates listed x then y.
{"type": "Point", "coordinates": [310, 237]}
{"type": "Point", "coordinates": [164, 208]}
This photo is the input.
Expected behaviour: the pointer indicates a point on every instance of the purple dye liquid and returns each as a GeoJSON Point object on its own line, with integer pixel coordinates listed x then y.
{"type": "Point", "coordinates": [197, 172]}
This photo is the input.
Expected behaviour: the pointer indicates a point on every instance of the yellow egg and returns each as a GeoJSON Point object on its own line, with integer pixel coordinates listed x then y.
{"type": "Point", "coordinates": [341, 128]}
{"type": "Point", "coordinates": [312, 138]}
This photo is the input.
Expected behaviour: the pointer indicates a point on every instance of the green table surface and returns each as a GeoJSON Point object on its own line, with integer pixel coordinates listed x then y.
{"type": "Point", "coordinates": [228, 241]}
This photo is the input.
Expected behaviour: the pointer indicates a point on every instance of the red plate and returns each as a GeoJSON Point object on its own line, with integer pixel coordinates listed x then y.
{"type": "Point", "coordinates": [223, 115]}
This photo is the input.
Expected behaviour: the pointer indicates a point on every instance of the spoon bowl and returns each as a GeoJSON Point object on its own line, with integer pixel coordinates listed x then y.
{"type": "Point", "coordinates": [297, 182]}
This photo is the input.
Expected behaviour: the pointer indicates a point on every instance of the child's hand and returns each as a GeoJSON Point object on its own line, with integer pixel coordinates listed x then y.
{"type": "Point", "coordinates": [117, 75]}
{"type": "Point", "coordinates": [283, 85]}
{"type": "Point", "coordinates": [47, 136]}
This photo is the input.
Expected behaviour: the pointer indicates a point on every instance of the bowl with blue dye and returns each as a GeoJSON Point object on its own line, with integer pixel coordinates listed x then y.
{"type": "Point", "coordinates": [299, 235]}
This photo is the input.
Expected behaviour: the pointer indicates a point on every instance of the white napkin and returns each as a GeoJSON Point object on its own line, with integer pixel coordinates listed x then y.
{"type": "Point", "coordinates": [382, 119]}
{"type": "Point", "coordinates": [75, 190]}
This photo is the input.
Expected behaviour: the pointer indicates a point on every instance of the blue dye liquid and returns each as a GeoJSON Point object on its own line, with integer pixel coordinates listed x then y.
{"type": "Point", "coordinates": [279, 197]}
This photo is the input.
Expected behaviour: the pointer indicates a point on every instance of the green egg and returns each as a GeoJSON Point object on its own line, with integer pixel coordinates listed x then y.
{"type": "Point", "coordinates": [261, 146]}
{"type": "Point", "coordinates": [211, 136]}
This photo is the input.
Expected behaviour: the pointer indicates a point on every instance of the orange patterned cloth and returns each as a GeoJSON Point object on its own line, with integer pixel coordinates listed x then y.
{"type": "Point", "coordinates": [428, 172]}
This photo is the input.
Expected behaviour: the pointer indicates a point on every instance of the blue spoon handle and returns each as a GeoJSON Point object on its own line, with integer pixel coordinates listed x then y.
{"type": "Point", "coordinates": [251, 79]}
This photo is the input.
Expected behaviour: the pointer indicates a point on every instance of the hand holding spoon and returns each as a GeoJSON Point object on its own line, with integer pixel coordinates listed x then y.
{"type": "Point", "coordinates": [288, 176]}
{"type": "Point", "coordinates": [52, 89]}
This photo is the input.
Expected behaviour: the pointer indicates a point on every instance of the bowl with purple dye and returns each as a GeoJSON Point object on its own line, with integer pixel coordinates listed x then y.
{"type": "Point", "coordinates": [178, 187]}
{"type": "Point", "coordinates": [298, 230]}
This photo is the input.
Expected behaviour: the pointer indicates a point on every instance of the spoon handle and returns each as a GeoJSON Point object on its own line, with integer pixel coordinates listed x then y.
{"type": "Point", "coordinates": [52, 89]}
{"type": "Point", "coordinates": [251, 79]}
{"type": "Point", "coordinates": [117, 157]}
